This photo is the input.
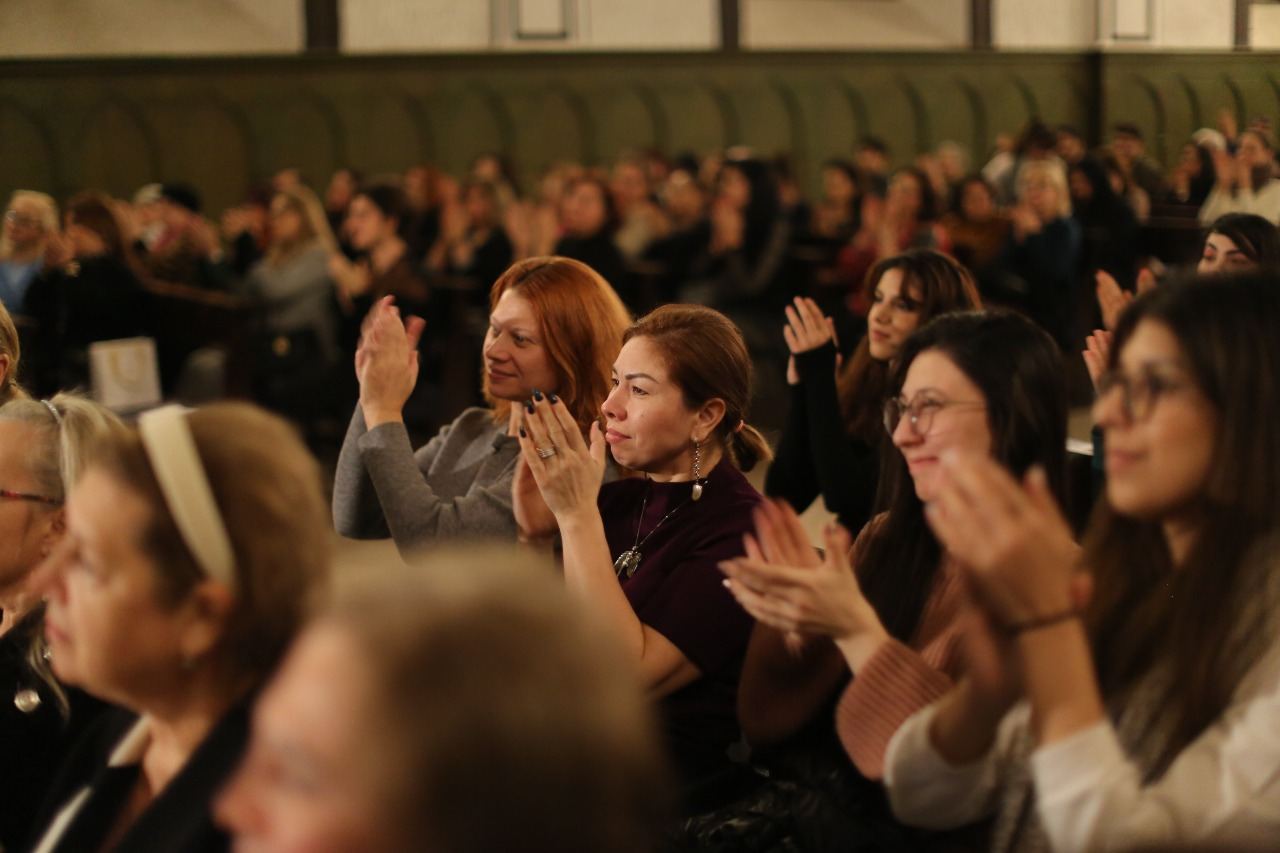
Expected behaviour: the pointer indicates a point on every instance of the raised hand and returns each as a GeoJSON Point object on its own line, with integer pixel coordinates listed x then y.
{"type": "Point", "coordinates": [1010, 536]}
{"type": "Point", "coordinates": [568, 470]}
{"type": "Point", "coordinates": [387, 362]}
{"type": "Point", "coordinates": [806, 329]}
{"type": "Point", "coordinates": [1096, 355]}
{"type": "Point", "coordinates": [534, 519]}
{"type": "Point", "coordinates": [805, 595]}
{"type": "Point", "coordinates": [1112, 299]}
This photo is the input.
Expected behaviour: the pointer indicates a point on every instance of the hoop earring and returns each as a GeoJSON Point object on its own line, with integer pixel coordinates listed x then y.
{"type": "Point", "coordinates": [697, 471]}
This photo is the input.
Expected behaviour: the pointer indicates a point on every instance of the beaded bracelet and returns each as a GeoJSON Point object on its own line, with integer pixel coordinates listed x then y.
{"type": "Point", "coordinates": [1038, 622]}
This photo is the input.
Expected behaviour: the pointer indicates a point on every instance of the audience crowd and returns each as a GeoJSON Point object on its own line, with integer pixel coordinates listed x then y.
{"type": "Point", "coordinates": [556, 399]}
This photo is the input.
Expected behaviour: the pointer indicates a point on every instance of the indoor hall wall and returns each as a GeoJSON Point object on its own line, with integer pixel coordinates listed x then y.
{"type": "Point", "coordinates": [223, 123]}
{"type": "Point", "coordinates": [65, 28]}
{"type": "Point", "coordinates": [854, 24]}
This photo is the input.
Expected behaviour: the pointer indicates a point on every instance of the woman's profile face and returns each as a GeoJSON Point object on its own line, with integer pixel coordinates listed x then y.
{"type": "Point", "coordinates": [905, 192]}
{"type": "Point", "coordinates": [1042, 196]}
{"type": "Point", "coordinates": [516, 359]}
{"type": "Point", "coordinates": [286, 222]}
{"type": "Point", "coordinates": [894, 315]}
{"type": "Point", "coordinates": [647, 423]}
{"type": "Point", "coordinates": [309, 781]}
{"type": "Point", "coordinates": [976, 202]}
{"type": "Point", "coordinates": [1221, 254]}
{"type": "Point", "coordinates": [951, 417]}
{"type": "Point", "coordinates": [1160, 447]}
{"type": "Point", "coordinates": [837, 186]}
{"type": "Point", "coordinates": [108, 629]}
{"type": "Point", "coordinates": [734, 187]}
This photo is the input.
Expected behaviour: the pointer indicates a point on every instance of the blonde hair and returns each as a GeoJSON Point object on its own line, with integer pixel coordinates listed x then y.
{"type": "Point", "coordinates": [1054, 173]}
{"type": "Point", "coordinates": [47, 213]}
{"type": "Point", "coordinates": [11, 347]}
{"type": "Point", "coordinates": [489, 685]}
{"type": "Point", "coordinates": [315, 224]}
{"type": "Point", "coordinates": [268, 490]}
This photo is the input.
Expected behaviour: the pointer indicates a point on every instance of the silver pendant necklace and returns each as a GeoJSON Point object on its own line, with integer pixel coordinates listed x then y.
{"type": "Point", "coordinates": [629, 560]}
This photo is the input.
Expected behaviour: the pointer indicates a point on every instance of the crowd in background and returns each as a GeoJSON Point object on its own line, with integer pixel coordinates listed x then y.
{"type": "Point", "coordinates": [550, 397]}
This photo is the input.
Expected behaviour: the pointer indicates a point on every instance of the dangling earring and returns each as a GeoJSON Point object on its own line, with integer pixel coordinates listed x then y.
{"type": "Point", "coordinates": [697, 470]}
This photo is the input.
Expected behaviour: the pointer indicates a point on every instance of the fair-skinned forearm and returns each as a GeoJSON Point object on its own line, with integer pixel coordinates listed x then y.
{"type": "Point", "coordinates": [1057, 670]}
{"type": "Point", "coordinates": [860, 645]}
{"type": "Point", "coordinates": [588, 572]}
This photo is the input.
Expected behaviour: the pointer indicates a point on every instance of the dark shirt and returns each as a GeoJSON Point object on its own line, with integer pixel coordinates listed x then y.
{"type": "Point", "coordinates": [816, 455]}
{"type": "Point", "coordinates": [678, 591]}
{"type": "Point", "coordinates": [599, 253]}
{"type": "Point", "coordinates": [35, 736]}
{"type": "Point", "coordinates": [178, 820]}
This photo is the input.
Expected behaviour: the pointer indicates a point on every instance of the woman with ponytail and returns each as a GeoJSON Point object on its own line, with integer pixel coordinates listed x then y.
{"type": "Point", "coordinates": [44, 445]}
{"type": "Point", "coordinates": [643, 550]}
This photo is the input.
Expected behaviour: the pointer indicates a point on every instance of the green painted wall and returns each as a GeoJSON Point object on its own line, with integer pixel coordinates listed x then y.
{"type": "Point", "coordinates": [223, 123]}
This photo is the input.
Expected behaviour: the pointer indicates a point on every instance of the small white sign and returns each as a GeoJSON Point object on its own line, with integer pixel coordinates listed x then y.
{"type": "Point", "coordinates": [125, 374]}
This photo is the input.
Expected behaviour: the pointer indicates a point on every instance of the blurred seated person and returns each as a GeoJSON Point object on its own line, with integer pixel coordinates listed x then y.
{"type": "Point", "coordinates": [89, 291]}
{"type": "Point", "coordinates": [424, 196]}
{"type": "Point", "coordinates": [29, 221]}
{"type": "Point", "coordinates": [1108, 226]}
{"type": "Point", "coordinates": [196, 547]}
{"type": "Point", "coordinates": [337, 199]}
{"type": "Point", "coordinates": [245, 228]}
{"type": "Point", "coordinates": [186, 249]}
{"type": "Point", "coordinates": [471, 708]}
{"type": "Point", "coordinates": [44, 447]}
{"type": "Point", "coordinates": [590, 220]}
{"type": "Point", "coordinates": [1192, 177]}
{"type": "Point", "coordinates": [1035, 143]}
{"type": "Point", "coordinates": [296, 341]}
{"type": "Point", "coordinates": [975, 226]}
{"type": "Point", "coordinates": [1245, 183]}
{"type": "Point", "coordinates": [472, 243]}
{"type": "Point", "coordinates": [533, 225]}
{"type": "Point", "coordinates": [1071, 145]}
{"type": "Point", "coordinates": [836, 215]}
{"type": "Point", "coordinates": [1130, 150]}
{"type": "Point", "coordinates": [906, 219]}
{"type": "Point", "coordinates": [640, 219]}
{"type": "Point", "coordinates": [1041, 261]}
{"type": "Point", "coordinates": [872, 163]}
{"type": "Point", "coordinates": [684, 199]}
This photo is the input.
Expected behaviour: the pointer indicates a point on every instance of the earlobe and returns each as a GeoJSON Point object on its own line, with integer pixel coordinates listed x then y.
{"type": "Point", "coordinates": [210, 605]}
{"type": "Point", "coordinates": [53, 535]}
{"type": "Point", "coordinates": [709, 418]}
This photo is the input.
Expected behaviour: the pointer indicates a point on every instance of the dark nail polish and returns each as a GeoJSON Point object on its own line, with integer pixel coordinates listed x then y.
{"type": "Point", "coordinates": [528, 407]}
{"type": "Point", "coordinates": [523, 434]}
{"type": "Point", "coordinates": [537, 396]}
{"type": "Point", "coordinates": [553, 398]}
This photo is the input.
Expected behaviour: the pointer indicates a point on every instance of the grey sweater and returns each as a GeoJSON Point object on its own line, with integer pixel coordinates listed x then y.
{"type": "Point", "coordinates": [456, 486]}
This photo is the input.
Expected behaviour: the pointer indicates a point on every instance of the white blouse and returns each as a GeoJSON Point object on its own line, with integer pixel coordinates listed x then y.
{"type": "Point", "coordinates": [1223, 789]}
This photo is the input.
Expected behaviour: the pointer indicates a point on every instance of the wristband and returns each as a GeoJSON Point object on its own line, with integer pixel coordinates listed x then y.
{"type": "Point", "coordinates": [1038, 622]}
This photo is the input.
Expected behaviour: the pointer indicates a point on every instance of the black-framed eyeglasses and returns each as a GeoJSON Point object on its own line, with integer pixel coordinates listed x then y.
{"type": "Point", "coordinates": [10, 495]}
{"type": "Point", "coordinates": [1138, 395]}
{"type": "Point", "coordinates": [919, 412]}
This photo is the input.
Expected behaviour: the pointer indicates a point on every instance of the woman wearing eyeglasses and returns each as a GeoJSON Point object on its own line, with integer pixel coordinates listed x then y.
{"type": "Point", "coordinates": [44, 446]}
{"type": "Point", "coordinates": [885, 614]}
{"type": "Point", "coordinates": [1147, 718]}
{"type": "Point", "coordinates": [194, 548]}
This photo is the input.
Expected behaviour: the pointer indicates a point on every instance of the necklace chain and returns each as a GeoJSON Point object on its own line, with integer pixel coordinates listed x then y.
{"type": "Point", "coordinates": [628, 561]}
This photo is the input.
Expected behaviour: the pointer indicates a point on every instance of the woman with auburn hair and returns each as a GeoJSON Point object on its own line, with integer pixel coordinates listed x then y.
{"type": "Point", "coordinates": [554, 327]}
{"type": "Point", "coordinates": [297, 332]}
{"type": "Point", "coordinates": [195, 548]}
{"type": "Point", "coordinates": [472, 708]}
{"type": "Point", "coordinates": [643, 551]}
{"type": "Point", "coordinates": [1124, 696]}
{"type": "Point", "coordinates": [10, 355]}
{"type": "Point", "coordinates": [831, 444]}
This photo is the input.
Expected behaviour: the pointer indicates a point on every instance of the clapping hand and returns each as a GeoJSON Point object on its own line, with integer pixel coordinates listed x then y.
{"type": "Point", "coordinates": [387, 362]}
{"type": "Point", "coordinates": [567, 469]}
{"type": "Point", "coordinates": [807, 329]}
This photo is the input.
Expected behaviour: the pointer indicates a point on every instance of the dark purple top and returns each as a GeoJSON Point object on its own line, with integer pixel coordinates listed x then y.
{"type": "Point", "coordinates": [678, 591]}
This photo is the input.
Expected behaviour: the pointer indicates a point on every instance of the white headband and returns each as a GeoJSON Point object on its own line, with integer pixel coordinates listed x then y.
{"type": "Point", "coordinates": [176, 463]}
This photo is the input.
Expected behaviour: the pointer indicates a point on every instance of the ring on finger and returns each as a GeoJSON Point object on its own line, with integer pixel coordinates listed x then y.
{"type": "Point", "coordinates": [546, 452]}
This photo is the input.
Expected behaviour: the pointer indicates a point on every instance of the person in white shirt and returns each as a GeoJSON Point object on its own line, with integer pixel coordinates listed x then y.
{"type": "Point", "coordinates": [1138, 703]}
{"type": "Point", "coordinates": [1246, 183]}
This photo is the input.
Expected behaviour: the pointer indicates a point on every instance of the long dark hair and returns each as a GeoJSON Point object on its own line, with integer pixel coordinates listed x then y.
{"type": "Point", "coordinates": [763, 208]}
{"type": "Point", "coordinates": [1192, 633]}
{"type": "Point", "coordinates": [1019, 370]}
{"type": "Point", "coordinates": [944, 285]}
{"type": "Point", "coordinates": [1256, 237]}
